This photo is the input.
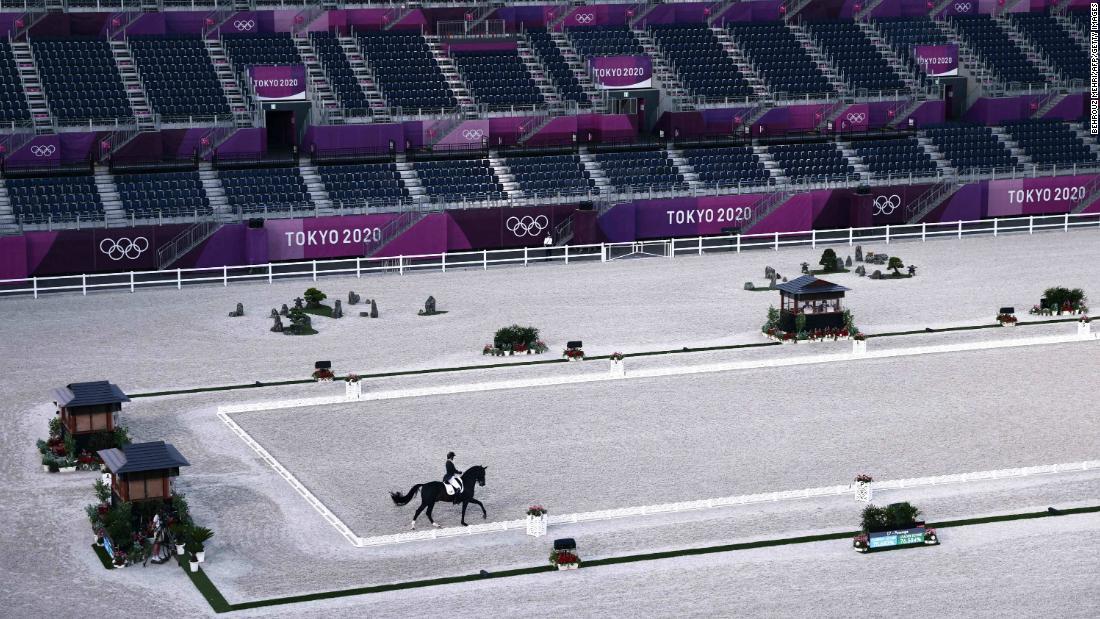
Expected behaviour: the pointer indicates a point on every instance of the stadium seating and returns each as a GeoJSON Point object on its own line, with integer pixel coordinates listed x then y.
{"type": "Point", "coordinates": [605, 41]}
{"type": "Point", "coordinates": [728, 166]}
{"type": "Point", "coordinates": [353, 185]}
{"type": "Point", "coordinates": [814, 162]}
{"type": "Point", "coordinates": [179, 77]}
{"type": "Point", "coordinates": [552, 59]}
{"type": "Point", "coordinates": [903, 33]}
{"type": "Point", "coordinates": [854, 56]}
{"type": "Point", "coordinates": [704, 67]}
{"type": "Point", "coordinates": [1054, 43]}
{"type": "Point", "coordinates": [498, 79]}
{"type": "Point", "coordinates": [265, 189]}
{"type": "Point", "coordinates": [970, 147]}
{"type": "Point", "coordinates": [81, 81]}
{"type": "Point", "coordinates": [339, 72]}
{"type": "Point", "coordinates": [997, 51]}
{"type": "Point", "coordinates": [641, 170]}
{"type": "Point", "coordinates": [163, 194]}
{"type": "Point", "coordinates": [55, 199]}
{"type": "Point", "coordinates": [1050, 142]}
{"type": "Point", "coordinates": [407, 74]}
{"type": "Point", "coordinates": [458, 179]}
{"type": "Point", "coordinates": [260, 49]}
{"type": "Point", "coordinates": [900, 156]}
{"type": "Point", "coordinates": [780, 59]}
{"type": "Point", "coordinates": [13, 101]}
{"type": "Point", "coordinates": [551, 175]}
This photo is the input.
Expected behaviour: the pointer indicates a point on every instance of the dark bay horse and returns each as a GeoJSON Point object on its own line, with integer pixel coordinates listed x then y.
{"type": "Point", "coordinates": [434, 492]}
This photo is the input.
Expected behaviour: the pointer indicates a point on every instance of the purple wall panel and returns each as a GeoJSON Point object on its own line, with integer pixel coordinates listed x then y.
{"type": "Point", "coordinates": [245, 144]}
{"type": "Point", "coordinates": [372, 138]}
{"type": "Point", "coordinates": [41, 151]}
{"type": "Point", "coordinates": [427, 236]}
{"type": "Point", "coordinates": [183, 22]}
{"type": "Point", "coordinates": [322, 237]}
{"type": "Point", "coordinates": [13, 257]}
{"type": "Point", "coordinates": [77, 147]}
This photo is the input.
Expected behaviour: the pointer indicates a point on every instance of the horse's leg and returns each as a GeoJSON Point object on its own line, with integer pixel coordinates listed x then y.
{"type": "Point", "coordinates": [482, 506]}
{"type": "Point", "coordinates": [464, 505]}
{"type": "Point", "coordinates": [429, 512]}
{"type": "Point", "coordinates": [423, 503]}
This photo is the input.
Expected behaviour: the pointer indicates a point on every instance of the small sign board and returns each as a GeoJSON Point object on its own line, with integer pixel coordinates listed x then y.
{"type": "Point", "coordinates": [891, 539]}
{"type": "Point", "coordinates": [108, 546]}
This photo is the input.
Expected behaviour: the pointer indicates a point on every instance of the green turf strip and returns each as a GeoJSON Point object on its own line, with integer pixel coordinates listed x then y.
{"type": "Point", "coordinates": [220, 605]}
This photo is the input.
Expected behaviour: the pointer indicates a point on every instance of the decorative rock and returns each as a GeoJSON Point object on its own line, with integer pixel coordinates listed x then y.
{"type": "Point", "coordinates": [861, 270]}
{"type": "Point", "coordinates": [769, 273]}
{"type": "Point", "coordinates": [859, 253]}
{"type": "Point", "coordinates": [805, 267]}
{"type": "Point", "coordinates": [771, 281]}
{"type": "Point", "coordinates": [848, 262]}
{"type": "Point", "coordinates": [373, 309]}
{"type": "Point", "coordinates": [912, 270]}
{"type": "Point", "coordinates": [877, 274]}
{"type": "Point", "coordinates": [352, 298]}
{"type": "Point", "coordinates": [278, 326]}
{"type": "Point", "coordinates": [364, 314]}
{"type": "Point", "coordinates": [237, 313]}
{"type": "Point", "coordinates": [274, 313]}
{"type": "Point", "coordinates": [839, 264]}
{"type": "Point", "coordinates": [284, 311]}
{"type": "Point", "coordinates": [298, 303]}
{"type": "Point", "coordinates": [337, 311]}
{"type": "Point", "coordinates": [749, 286]}
{"type": "Point", "coordinates": [429, 306]}
{"type": "Point", "coordinates": [784, 280]}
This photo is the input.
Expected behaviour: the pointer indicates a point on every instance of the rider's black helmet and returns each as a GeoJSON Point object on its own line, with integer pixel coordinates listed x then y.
{"type": "Point", "coordinates": [450, 455]}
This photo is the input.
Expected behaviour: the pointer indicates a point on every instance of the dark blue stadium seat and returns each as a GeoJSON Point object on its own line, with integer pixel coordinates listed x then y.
{"type": "Point", "coordinates": [179, 77]}
{"type": "Point", "coordinates": [994, 48]}
{"type": "Point", "coordinates": [460, 179]}
{"type": "Point", "coordinates": [704, 67]}
{"type": "Point", "coordinates": [498, 79]}
{"type": "Point", "coordinates": [780, 59]}
{"type": "Point", "coordinates": [1055, 44]}
{"type": "Point", "coordinates": [854, 56]}
{"type": "Point", "coordinates": [266, 190]}
{"type": "Point", "coordinates": [81, 81]}
{"type": "Point", "coordinates": [970, 148]}
{"type": "Point", "coordinates": [641, 170]}
{"type": "Point", "coordinates": [13, 101]}
{"type": "Point", "coordinates": [728, 166]}
{"type": "Point", "coordinates": [406, 71]}
{"type": "Point", "coordinates": [162, 194]}
{"type": "Point", "coordinates": [1050, 142]}
{"type": "Point", "coordinates": [895, 156]}
{"type": "Point", "coordinates": [339, 73]}
{"type": "Point", "coordinates": [55, 199]}
{"type": "Point", "coordinates": [551, 57]}
{"type": "Point", "coordinates": [605, 41]}
{"type": "Point", "coordinates": [551, 175]}
{"type": "Point", "coordinates": [375, 184]}
{"type": "Point", "coordinates": [813, 162]}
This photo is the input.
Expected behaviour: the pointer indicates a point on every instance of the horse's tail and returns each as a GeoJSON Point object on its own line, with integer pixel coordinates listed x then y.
{"type": "Point", "coordinates": [402, 500]}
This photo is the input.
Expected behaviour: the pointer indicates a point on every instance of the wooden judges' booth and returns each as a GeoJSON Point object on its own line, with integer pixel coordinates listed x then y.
{"type": "Point", "coordinates": [817, 299]}
{"type": "Point", "coordinates": [86, 408]}
{"type": "Point", "coordinates": [143, 471]}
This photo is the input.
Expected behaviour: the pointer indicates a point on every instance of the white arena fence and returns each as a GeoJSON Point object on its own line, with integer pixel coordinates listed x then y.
{"type": "Point", "coordinates": [602, 252]}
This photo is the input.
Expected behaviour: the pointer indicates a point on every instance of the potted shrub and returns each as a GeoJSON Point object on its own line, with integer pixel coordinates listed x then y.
{"type": "Point", "coordinates": [536, 520]}
{"type": "Point", "coordinates": [930, 537]}
{"type": "Point", "coordinates": [67, 465]}
{"type": "Point", "coordinates": [193, 562]}
{"type": "Point", "coordinates": [120, 559]}
{"type": "Point", "coordinates": [539, 347]}
{"type": "Point", "coordinates": [564, 560]}
{"type": "Point", "coordinates": [46, 459]}
{"type": "Point", "coordinates": [179, 534]}
{"type": "Point", "coordinates": [199, 536]}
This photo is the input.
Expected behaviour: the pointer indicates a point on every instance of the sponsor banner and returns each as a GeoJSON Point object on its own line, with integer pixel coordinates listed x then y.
{"type": "Point", "coordinates": [855, 118]}
{"type": "Point", "coordinates": [323, 237]}
{"type": "Point", "coordinates": [279, 83]}
{"type": "Point", "coordinates": [938, 60]}
{"type": "Point", "coordinates": [1036, 196]}
{"type": "Point", "coordinates": [620, 72]}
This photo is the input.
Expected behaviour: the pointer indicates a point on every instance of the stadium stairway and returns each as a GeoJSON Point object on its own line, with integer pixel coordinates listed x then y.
{"type": "Point", "coordinates": [114, 214]}
{"type": "Point", "coordinates": [684, 167]}
{"type": "Point", "coordinates": [1013, 148]}
{"type": "Point", "coordinates": [234, 93]}
{"type": "Point", "coordinates": [970, 66]}
{"type": "Point", "coordinates": [410, 179]}
{"type": "Point", "coordinates": [937, 155]}
{"type": "Point", "coordinates": [773, 168]}
{"type": "Point", "coordinates": [820, 58]}
{"type": "Point", "coordinates": [1033, 55]}
{"type": "Point", "coordinates": [664, 74]}
{"type": "Point", "coordinates": [743, 64]}
{"type": "Point", "coordinates": [32, 86]}
{"type": "Point", "coordinates": [215, 192]}
{"type": "Point", "coordinates": [316, 188]}
{"type": "Point", "coordinates": [595, 172]}
{"type": "Point", "coordinates": [7, 217]}
{"type": "Point", "coordinates": [131, 82]}
{"type": "Point", "coordinates": [539, 73]}
{"type": "Point", "coordinates": [504, 175]}
{"type": "Point", "coordinates": [854, 159]}
{"type": "Point", "coordinates": [318, 81]}
{"type": "Point", "coordinates": [1077, 34]}
{"type": "Point", "coordinates": [577, 66]}
{"type": "Point", "coordinates": [455, 82]}
{"type": "Point", "coordinates": [887, 52]}
{"type": "Point", "coordinates": [365, 75]}
{"type": "Point", "coordinates": [1082, 132]}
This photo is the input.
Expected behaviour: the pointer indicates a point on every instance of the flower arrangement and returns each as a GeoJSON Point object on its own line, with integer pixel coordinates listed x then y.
{"type": "Point", "coordinates": [1006, 319]}
{"type": "Point", "coordinates": [536, 510]}
{"type": "Point", "coordinates": [323, 374]}
{"type": "Point", "coordinates": [1085, 319]}
{"type": "Point", "coordinates": [859, 337]}
{"type": "Point", "coordinates": [352, 378]}
{"type": "Point", "coordinates": [864, 478]}
{"type": "Point", "coordinates": [539, 347]}
{"type": "Point", "coordinates": [561, 558]}
{"type": "Point", "coordinates": [573, 353]}
{"type": "Point", "coordinates": [616, 356]}
{"type": "Point", "coordinates": [930, 536]}
{"type": "Point", "coordinates": [861, 542]}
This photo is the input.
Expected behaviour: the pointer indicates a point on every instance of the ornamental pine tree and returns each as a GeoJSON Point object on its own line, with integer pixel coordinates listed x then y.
{"type": "Point", "coordinates": [828, 260]}
{"type": "Point", "coordinates": [895, 264]}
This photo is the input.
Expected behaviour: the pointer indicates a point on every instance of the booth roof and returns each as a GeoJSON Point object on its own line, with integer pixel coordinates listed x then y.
{"type": "Point", "coordinates": [89, 394]}
{"type": "Point", "coordinates": [138, 457]}
{"type": "Point", "coordinates": [808, 284]}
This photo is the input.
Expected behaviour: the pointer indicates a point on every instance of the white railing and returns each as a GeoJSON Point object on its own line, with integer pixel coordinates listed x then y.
{"type": "Point", "coordinates": [358, 266]}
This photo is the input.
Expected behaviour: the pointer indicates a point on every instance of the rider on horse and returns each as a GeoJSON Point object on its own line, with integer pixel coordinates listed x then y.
{"type": "Point", "coordinates": [452, 481]}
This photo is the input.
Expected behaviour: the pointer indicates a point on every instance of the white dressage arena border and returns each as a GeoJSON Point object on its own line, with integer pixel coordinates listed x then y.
{"type": "Point", "coordinates": [626, 512]}
{"type": "Point", "coordinates": [651, 373]}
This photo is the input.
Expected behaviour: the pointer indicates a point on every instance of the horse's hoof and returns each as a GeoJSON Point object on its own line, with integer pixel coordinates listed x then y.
{"type": "Point", "coordinates": [465, 525]}
{"type": "Point", "coordinates": [435, 524]}
{"type": "Point", "coordinates": [413, 525]}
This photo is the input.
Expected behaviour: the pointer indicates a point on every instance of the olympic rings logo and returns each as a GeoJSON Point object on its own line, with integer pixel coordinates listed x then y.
{"type": "Point", "coordinates": [963, 7]}
{"type": "Point", "coordinates": [43, 151]}
{"type": "Point", "coordinates": [886, 205]}
{"type": "Point", "coordinates": [857, 117]}
{"type": "Point", "coordinates": [527, 225]}
{"type": "Point", "coordinates": [244, 24]}
{"type": "Point", "coordinates": [117, 249]}
{"type": "Point", "coordinates": [584, 18]}
{"type": "Point", "coordinates": [473, 134]}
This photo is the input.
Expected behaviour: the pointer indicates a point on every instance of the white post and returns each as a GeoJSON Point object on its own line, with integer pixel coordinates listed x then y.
{"type": "Point", "coordinates": [863, 491]}
{"type": "Point", "coordinates": [776, 241]}
{"type": "Point", "coordinates": [994, 228]}
{"type": "Point", "coordinates": [813, 238]}
{"type": "Point", "coordinates": [34, 284]}
{"type": "Point", "coordinates": [618, 370]}
{"type": "Point", "coordinates": [353, 390]}
{"type": "Point", "coordinates": [1067, 223]}
{"type": "Point", "coordinates": [179, 279]}
{"type": "Point", "coordinates": [536, 525]}
{"type": "Point", "coordinates": [923, 231]}
{"type": "Point", "coordinates": [269, 272]}
{"type": "Point", "coordinates": [358, 268]}
{"type": "Point", "coordinates": [851, 234]}
{"type": "Point", "coordinates": [1031, 225]}
{"type": "Point", "coordinates": [400, 265]}
{"type": "Point", "coordinates": [700, 241]}
{"type": "Point", "coordinates": [859, 347]}
{"type": "Point", "coordinates": [443, 261]}
{"type": "Point", "coordinates": [887, 234]}
{"type": "Point", "coordinates": [484, 260]}
{"type": "Point", "coordinates": [314, 270]}
{"type": "Point", "coordinates": [960, 228]}
{"type": "Point", "coordinates": [84, 285]}
{"type": "Point", "coordinates": [1084, 330]}
{"type": "Point", "coordinates": [131, 281]}
{"type": "Point", "coordinates": [525, 256]}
